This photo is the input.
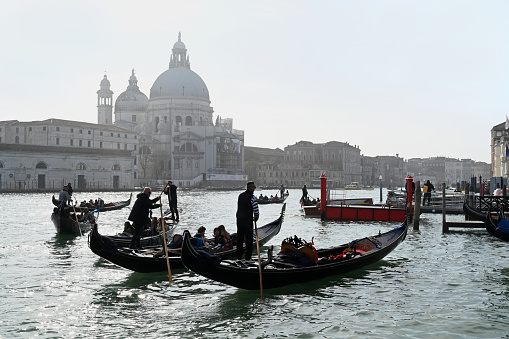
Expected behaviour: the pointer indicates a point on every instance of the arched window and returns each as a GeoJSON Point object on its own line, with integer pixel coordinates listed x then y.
{"type": "Point", "coordinates": [17, 139]}
{"type": "Point", "coordinates": [178, 120]}
{"type": "Point", "coordinates": [188, 148]}
{"type": "Point", "coordinates": [115, 168]}
{"type": "Point", "coordinates": [189, 121]}
{"type": "Point", "coordinates": [81, 166]}
{"type": "Point", "coordinates": [157, 123]}
{"type": "Point", "coordinates": [41, 165]}
{"type": "Point", "coordinates": [1, 165]}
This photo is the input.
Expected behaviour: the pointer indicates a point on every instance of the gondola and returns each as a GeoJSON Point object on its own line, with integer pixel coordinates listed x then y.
{"type": "Point", "coordinates": [281, 271]}
{"type": "Point", "coordinates": [272, 200]}
{"type": "Point", "coordinates": [101, 208]}
{"type": "Point", "coordinates": [150, 240]}
{"type": "Point", "coordinates": [472, 213]}
{"type": "Point", "coordinates": [152, 259]}
{"type": "Point", "coordinates": [492, 226]}
{"type": "Point", "coordinates": [66, 223]}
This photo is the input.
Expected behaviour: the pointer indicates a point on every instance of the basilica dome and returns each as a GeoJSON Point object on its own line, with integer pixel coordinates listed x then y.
{"type": "Point", "coordinates": [132, 99]}
{"type": "Point", "coordinates": [179, 82]}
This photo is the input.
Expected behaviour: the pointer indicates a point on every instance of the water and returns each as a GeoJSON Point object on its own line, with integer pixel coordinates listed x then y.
{"type": "Point", "coordinates": [431, 286]}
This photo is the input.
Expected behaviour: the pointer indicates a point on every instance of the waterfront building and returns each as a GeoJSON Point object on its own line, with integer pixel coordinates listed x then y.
{"type": "Point", "coordinates": [169, 135]}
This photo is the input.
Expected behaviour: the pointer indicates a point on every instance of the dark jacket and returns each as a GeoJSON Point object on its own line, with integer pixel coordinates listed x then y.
{"type": "Point", "coordinates": [247, 205]}
{"type": "Point", "coordinates": [171, 192]}
{"type": "Point", "coordinates": [142, 205]}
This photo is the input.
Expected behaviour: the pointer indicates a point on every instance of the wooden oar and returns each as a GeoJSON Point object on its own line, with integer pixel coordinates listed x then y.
{"type": "Point", "coordinates": [76, 216]}
{"type": "Point", "coordinates": [259, 260]}
{"type": "Point", "coordinates": [163, 229]}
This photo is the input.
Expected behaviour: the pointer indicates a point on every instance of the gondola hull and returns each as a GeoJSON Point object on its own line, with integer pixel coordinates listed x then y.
{"type": "Point", "coordinates": [272, 201]}
{"type": "Point", "coordinates": [473, 213]}
{"type": "Point", "coordinates": [491, 225]}
{"type": "Point", "coordinates": [64, 224]}
{"type": "Point", "coordinates": [105, 208]}
{"type": "Point", "coordinates": [151, 259]}
{"type": "Point", "coordinates": [278, 273]}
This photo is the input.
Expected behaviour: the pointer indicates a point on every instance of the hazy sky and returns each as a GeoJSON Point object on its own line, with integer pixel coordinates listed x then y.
{"type": "Point", "coordinates": [414, 78]}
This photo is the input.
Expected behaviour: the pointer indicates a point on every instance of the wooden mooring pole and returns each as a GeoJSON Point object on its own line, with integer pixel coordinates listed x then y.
{"type": "Point", "coordinates": [417, 208]}
{"type": "Point", "coordinates": [445, 227]}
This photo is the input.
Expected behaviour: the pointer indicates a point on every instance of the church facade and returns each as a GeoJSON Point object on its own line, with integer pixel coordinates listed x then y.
{"type": "Point", "coordinates": [170, 135]}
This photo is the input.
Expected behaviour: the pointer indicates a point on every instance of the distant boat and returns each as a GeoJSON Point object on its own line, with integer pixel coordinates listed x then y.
{"type": "Point", "coordinates": [353, 186]}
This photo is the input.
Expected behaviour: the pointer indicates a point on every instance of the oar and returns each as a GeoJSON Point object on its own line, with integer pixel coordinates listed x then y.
{"type": "Point", "coordinates": [259, 260]}
{"type": "Point", "coordinates": [76, 216]}
{"type": "Point", "coordinates": [163, 229]}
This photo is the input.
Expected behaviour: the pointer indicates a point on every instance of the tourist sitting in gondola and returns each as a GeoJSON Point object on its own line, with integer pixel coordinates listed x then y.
{"type": "Point", "coordinates": [201, 240]}
{"type": "Point", "coordinates": [260, 197]}
{"type": "Point", "coordinates": [221, 238]}
{"type": "Point", "coordinates": [128, 229]}
{"type": "Point", "coordinates": [265, 198]}
{"type": "Point", "coordinates": [87, 216]}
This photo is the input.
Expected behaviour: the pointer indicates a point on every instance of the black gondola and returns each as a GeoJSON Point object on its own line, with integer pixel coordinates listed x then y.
{"type": "Point", "coordinates": [281, 271]}
{"type": "Point", "coordinates": [273, 200]}
{"type": "Point", "coordinates": [472, 213]}
{"type": "Point", "coordinates": [492, 227]}
{"type": "Point", "coordinates": [152, 259]}
{"type": "Point", "coordinates": [148, 240]}
{"type": "Point", "coordinates": [66, 223]}
{"type": "Point", "coordinates": [101, 208]}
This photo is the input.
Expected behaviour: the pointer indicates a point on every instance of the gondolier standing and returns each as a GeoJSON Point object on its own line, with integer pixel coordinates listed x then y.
{"type": "Point", "coordinates": [139, 214]}
{"type": "Point", "coordinates": [247, 211]}
{"type": "Point", "coordinates": [171, 192]}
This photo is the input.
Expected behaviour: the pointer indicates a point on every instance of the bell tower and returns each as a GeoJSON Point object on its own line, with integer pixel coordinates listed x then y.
{"type": "Point", "coordinates": [105, 103]}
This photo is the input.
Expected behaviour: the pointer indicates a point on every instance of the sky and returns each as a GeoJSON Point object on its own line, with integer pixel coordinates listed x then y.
{"type": "Point", "coordinates": [413, 78]}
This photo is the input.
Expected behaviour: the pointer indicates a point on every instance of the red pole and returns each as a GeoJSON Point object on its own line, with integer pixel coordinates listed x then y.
{"type": "Point", "coordinates": [323, 193]}
{"type": "Point", "coordinates": [409, 193]}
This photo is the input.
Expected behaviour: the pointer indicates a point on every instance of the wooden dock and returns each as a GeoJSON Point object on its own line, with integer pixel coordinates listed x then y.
{"type": "Point", "coordinates": [462, 224]}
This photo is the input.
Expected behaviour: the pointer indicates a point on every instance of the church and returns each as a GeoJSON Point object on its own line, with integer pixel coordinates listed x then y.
{"type": "Point", "coordinates": [170, 135]}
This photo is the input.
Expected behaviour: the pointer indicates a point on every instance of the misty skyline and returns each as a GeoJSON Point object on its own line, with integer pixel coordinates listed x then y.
{"type": "Point", "coordinates": [418, 79]}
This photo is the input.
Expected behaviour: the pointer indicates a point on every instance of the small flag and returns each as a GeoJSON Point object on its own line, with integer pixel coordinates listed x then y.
{"type": "Point", "coordinates": [506, 122]}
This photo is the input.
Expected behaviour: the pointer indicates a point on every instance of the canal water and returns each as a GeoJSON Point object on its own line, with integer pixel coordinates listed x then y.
{"type": "Point", "coordinates": [432, 286]}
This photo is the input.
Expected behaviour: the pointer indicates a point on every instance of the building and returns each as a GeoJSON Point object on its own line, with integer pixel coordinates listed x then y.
{"type": "Point", "coordinates": [169, 135]}
{"type": "Point", "coordinates": [47, 154]}
{"type": "Point", "coordinates": [178, 136]}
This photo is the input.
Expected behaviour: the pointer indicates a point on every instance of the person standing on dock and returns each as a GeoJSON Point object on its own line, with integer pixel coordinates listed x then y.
{"type": "Point", "coordinates": [139, 214]}
{"type": "Point", "coordinates": [171, 192]}
{"type": "Point", "coordinates": [247, 212]}
{"type": "Point", "coordinates": [427, 188]}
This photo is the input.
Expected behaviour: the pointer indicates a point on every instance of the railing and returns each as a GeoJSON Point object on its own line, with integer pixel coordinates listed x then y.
{"type": "Point", "coordinates": [491, 202]}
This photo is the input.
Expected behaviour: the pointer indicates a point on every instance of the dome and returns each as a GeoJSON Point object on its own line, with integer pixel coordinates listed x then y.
{"type": "Point", "coordinates": [105, 83]}
{"type": "Point", "coordinates": [132, 99]}
{"type": "Point", "coordinates": [179, 45]}
{"type": "Point", "coordinates": [179, 82]}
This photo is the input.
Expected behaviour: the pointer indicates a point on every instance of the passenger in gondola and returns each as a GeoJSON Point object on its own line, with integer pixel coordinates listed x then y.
{"type": "Point", "coordinates": [88, 216]}
{"type": "Point", "coordinates": [128, 229]}
{"type": "Point", "coordinates": [265, 198]}
{"type": "Point", "coordinates": [219, 240]}
{"type": "Point", "coordinates": [260, 197]}
{"type": "Point", "coordinates": [276, 198]}
{"type": "Point", "coordinates": [200, 235]}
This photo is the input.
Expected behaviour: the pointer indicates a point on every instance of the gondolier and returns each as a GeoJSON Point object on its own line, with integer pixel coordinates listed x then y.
{"type": "Point", "coordinates": [139, 214]}
{"type": "Point", "coordinates": [171, 192]}
{"type": "Point", "coordinates": [247, 211]}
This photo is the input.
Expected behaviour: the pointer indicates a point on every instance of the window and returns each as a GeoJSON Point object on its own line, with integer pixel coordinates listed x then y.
{"type": "Point", "coordinates": [81, 142]}
{"type": "Point", "coordinates": [101, 133]}
{"type": "Point", "coordinates": [125, 136]}
{"type": "Point", "coordinates": [89, 132]}
{"type": "Point", "coordinates": [125, 146]}
{"type": "Point", "coordinates": [41, 165]}
{"type": "Point", "coordinates": [17, 139]}
{"type": "Point", "coordinates": [17, 130]}
{"type": "Point", "coordinates": [178, 120]}
{"type": "Point", "coordinates": [188, 147]}
{"type": "Point", "coordinates": [58, 141]}
{"type": "Point", "coordinates": [72, 130]}
{"type": "Point", "coordinates": [89, 143]}
{"type": "Point", "coordinates": [30, 129]}
{"type": "Point", "coordinates": [58, 129]}
{"type": "Point", "coordinates": [101, 144]}
{"type": "Point", "coordinates": [133, 118]}
{"type": "Point", "coordinates": [81, 166]}
{"type": "Point", "coordinates": [44, 128]}
{"type": "Point", "coordinates": [189, 121]}
{"type": "Point", "coordinates": [115, 168]}
{"type": "Point", "coordinates": [111, 134]}
{"type": "Point", "coordinates": [71, 142]}
{"type": "Point", "coordinates": [118, 135]}
{"type": "Point", "coordinates": [118, 145]}
{"type": "Point", "coordinates": [135, 147]}
{"type": "Point", "coordinates": [81, 131]}
{"type": "Point", "coordinates": [135, 160]}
